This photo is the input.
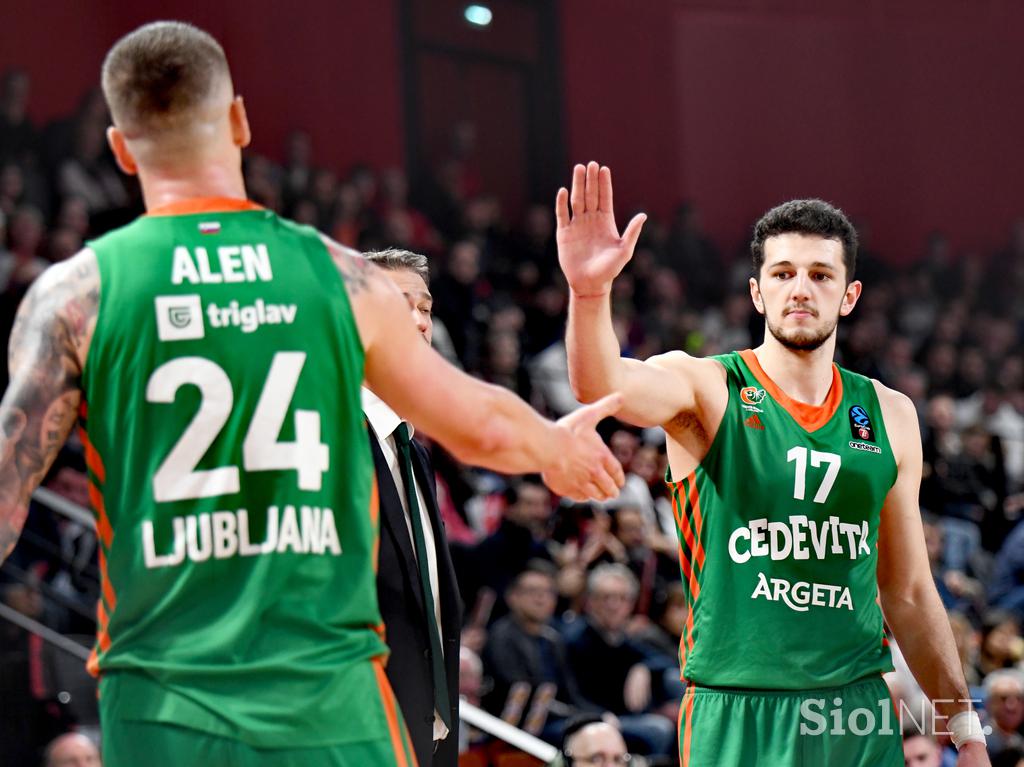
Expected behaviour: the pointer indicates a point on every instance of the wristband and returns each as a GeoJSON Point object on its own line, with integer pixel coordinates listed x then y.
{"type": "Point", "coordinates": [965, 727]}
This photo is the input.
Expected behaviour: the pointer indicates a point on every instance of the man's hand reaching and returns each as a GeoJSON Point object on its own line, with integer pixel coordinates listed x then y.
{"type": "Point", "coordinates": [586, 468]}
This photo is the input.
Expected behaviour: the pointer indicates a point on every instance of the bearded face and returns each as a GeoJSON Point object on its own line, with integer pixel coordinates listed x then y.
{"type": "Point", "coordinates": [802, 290]}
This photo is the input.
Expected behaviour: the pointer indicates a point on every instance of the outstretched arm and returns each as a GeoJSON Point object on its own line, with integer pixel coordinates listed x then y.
{"type": "Point", "coordinates": [479, 423]}
{"type": "Point", "coordinates": [909, 599]}
{"type": "Point", "coordinates": [591, 254]}
{"type": "Point", "coordinates": [48, 342]}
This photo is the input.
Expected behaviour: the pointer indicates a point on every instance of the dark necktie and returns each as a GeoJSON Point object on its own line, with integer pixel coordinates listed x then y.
{"type": "Point", "coordinates": [437, 658]}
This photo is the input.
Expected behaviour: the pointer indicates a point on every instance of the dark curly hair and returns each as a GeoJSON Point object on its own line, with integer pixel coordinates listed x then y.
{"type": "Point", "coordinates": [815, 217]}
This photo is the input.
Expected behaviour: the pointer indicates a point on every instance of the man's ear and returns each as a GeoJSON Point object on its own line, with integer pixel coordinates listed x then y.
{"type": "Point", "coordinates": [119, 146]}
{"type": "Point", "coordinates": [850, 299]}
{"type": "Point", "coordinates": [240, 132]}
{"type": "Point", "coordinates": [755, 296]}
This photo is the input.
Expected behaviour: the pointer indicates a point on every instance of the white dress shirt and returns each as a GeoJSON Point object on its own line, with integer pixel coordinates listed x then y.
{"type": "Point", "coordinates": [384, 421]}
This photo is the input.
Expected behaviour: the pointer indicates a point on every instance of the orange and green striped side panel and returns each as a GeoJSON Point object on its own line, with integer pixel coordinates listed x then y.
{"type": "Point", "coordinates": [399, 735]}
{"type": "Point", "coordinates": [685, 726]}
{"type": "Point", "coordinates": [107, 602]}
{"type": "Point", "coordinates": [380, 628]}
{"type": "Point", "coordinates": [690, 523]}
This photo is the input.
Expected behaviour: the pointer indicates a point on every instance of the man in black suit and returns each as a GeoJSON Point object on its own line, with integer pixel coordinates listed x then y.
{"type": "Point", "coordinates": [419, 599]}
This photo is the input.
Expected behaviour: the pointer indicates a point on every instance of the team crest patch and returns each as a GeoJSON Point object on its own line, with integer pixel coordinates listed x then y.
{"type": "Point", "coordinates": [860, 425]}
{"type": "Point", "coordinates": [179, 318]}
{"type": "Point", "coordinates": [752, 395]}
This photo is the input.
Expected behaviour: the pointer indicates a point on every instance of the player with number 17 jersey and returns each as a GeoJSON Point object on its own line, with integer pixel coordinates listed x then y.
{"type": "Point", "coordinates": [232, 480]}
{"type": "Point", "coordinates": [788, 498]}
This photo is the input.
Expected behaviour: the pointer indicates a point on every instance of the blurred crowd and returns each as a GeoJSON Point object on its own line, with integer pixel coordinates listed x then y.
{"type": "Point", "coordinates": [570, 608]}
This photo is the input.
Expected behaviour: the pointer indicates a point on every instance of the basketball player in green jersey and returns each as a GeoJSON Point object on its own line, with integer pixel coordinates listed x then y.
{"type": "Point", "coordinates": [796, 495]}
{"type": "Point", "coordinates": [215, 353]}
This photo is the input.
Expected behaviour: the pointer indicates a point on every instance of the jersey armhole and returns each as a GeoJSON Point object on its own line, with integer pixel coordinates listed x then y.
{"type": "Point", "coordinates": [718, 427]}
{"type": "Point", "coordinates": [89, 353]}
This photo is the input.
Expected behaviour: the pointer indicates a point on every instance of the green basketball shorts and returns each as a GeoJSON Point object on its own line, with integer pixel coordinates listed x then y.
{"type": "Point", "coordinates": [131, 742]}
{"type": "Point", "coordinates": [851, 726]}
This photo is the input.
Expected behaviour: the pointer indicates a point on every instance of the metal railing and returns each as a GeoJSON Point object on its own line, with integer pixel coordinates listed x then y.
{"type": "Point", "coordinates": [44, 632]}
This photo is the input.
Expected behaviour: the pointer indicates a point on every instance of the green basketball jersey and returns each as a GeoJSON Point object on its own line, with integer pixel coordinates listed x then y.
{"type": "Point", "coordinates": [232, 480]}
{"type": "Point", "coordinates": [778, 528]}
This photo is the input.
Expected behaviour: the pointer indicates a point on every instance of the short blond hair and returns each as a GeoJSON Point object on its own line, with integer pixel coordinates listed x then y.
{"type": "Point", "coordinates": [160, 73]}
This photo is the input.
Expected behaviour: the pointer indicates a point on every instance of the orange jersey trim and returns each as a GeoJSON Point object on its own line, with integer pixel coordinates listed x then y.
{"type": "Point", "coordinates": [810, 417]}
{"type": "Point", "coordinates": [108, 588]}
{"type": "Point", "coordinates": [685, 491]}
{"type": "Point", "coordinates": [93, 461]}
{"type": "Point", "coordinates": [92, 665]}
{"type": "Point", "coordinates": [203, 205]}
{"type": "Point", "coordinates": [688, 697]}
{"type": "Point", "coordinates": [395, 727]}
{"type": "Point", "coordinates": [375, 519]}
{"type": "Point", "coordinates": [697, 517]}
{"type": "Point", "coordinates": [103, 623]}
{"type": "Point", "coordinates": [103, 528]}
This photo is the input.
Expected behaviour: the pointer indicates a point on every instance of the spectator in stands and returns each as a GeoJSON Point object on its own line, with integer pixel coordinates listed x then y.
{"type": "Point", "coordinates": [298, 170]}
{"type": "Point", "coordinates": [641, 547]}
{"type": "Point", "coordinates": [31, 717]}
{"type": "Point", "coordinates": [668, 617]}
{"type": "Point", "coordinates": [523, 647]}
{"type": "Point", "coordinates": [1007, 590]}
{"type": "Point", "coordinates": [17, 133]}
{"type": "Point", "coordinates": [623, 685]}
{"type": "Point", "coordinates": [967, 641]}
{"type": "Point", "coordinates": [394, 200]}
{"type": "Point", "coordinates": [458, 301]}
{"type": "Point", "coordinates": [522, 535]}
{"type": "Point", "coordinates": [89, 174]}
{"type": "Point", "coordinates": [471, 688]}
{"type": "Point", "coordinates": [23, 263]}
{"type": "Point", "coordinates": [72, 750]}
{"type": "Point", "coordinates": [1004, 708]}
{"type": "Point", "coordinates": [594, 744]}
{"type": "Point", "coordinates": [920, 750]}
{"type": "Point", "coordinates": [1001, 642]}
{"type": "Point", "coordinates": [1011, 757]}
{"type": "Point", "coordinates": [957, 591]}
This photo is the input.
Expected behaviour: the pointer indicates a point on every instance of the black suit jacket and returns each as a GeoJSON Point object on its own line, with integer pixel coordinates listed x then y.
{"type": "Point", "coordinates": [402, 608]}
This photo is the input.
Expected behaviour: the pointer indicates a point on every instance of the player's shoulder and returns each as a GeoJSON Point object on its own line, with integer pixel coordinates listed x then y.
{"type": "Point", "coordinates": [901, 422]}
{"type": "Point", "coordinates": [62, 304]}
{"type": "Point", "coordinates": [77, 275]}
{"type": "Point", "coordinates": [706, 376]}
{"type": "Point", "coordinates": [359, 275]}
{"type": "Point", "coordinates": [893, 401]}
{"type": "Point", "coordinates": [339, 251]}
{"type": "Point", "coordinates": [680, 361]}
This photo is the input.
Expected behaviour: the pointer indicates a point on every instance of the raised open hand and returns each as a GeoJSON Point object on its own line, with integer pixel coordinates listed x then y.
{"type": "Point", "coordinates": [590, 250]}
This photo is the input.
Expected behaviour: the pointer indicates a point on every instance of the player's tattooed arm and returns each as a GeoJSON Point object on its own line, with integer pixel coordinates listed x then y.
{"type": "Point", "coordinates": [355, 270]}
{"type": "Point", "coordinates": [369, 291]}
{"type": "Point", "coordinates": [48, 343]}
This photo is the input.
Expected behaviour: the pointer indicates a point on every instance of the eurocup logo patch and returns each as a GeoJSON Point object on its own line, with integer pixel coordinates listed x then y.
{"type": "Point", "coordinates": [179, 318]}
{"type": "Point", "coordinates": [860, 424]}
{"type": "Point", "coordinates": [751, 395]}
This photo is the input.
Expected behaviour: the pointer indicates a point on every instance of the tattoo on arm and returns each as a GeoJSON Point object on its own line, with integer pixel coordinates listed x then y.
{"type": "Point", "coordinates": [355, 271]}
{"type": "Point", "coordinates": [51, 334]}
